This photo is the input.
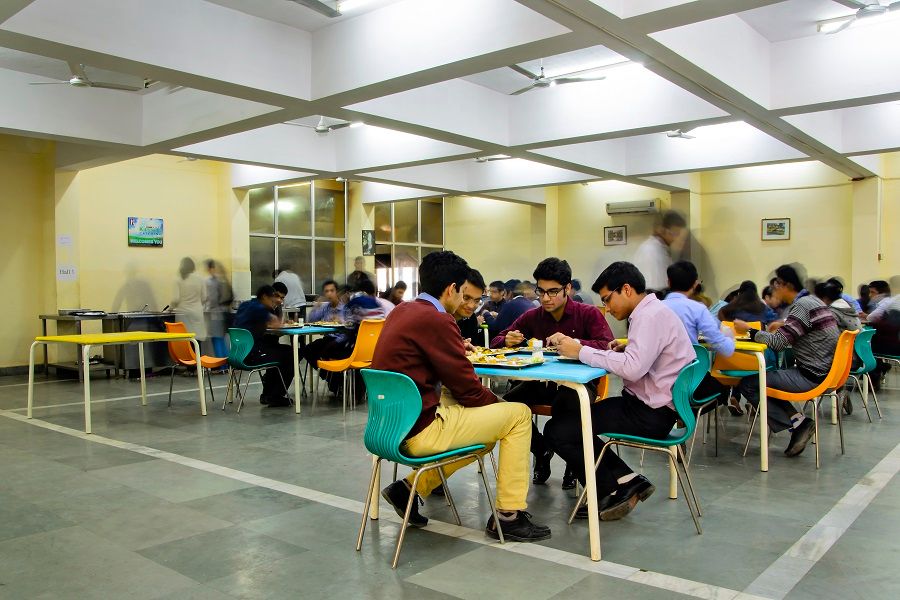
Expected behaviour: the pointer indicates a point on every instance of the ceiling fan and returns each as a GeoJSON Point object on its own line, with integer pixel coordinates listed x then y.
{"type": "Point", "coordinates": [323, 126]}
{"type": "Point", "coordinates": [680, 133]}
{"type": "Point", "coordinates": [872, 8]}
{"type": "Point", "coordinates": [80, 79]}
{"type": "Point", "coordinates": [540, 80]}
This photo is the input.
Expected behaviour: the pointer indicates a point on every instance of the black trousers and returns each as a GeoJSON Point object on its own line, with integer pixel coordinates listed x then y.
{"type": "Point", "coordinates": [328, 348]}
{"type": "Point", "coordinates": [271, 351]}
{"type": "Point", "coordinates": [618, 414]}
{"type": "Point", "coordinates": [708, 387]}
{"type": "Point", "coordinates": [561, 400]}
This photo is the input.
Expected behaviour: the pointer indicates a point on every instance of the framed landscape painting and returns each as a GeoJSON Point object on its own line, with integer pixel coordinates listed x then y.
{"type": "Point", "coordinates": [776, 229]}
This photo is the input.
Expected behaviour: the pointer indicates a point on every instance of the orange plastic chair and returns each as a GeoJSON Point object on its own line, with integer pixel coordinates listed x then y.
{"type": "Point", "coordinates": [835, 380]}
{"type": "Point", "coordinates": [361, 358]}
{"type": "Point", "coordinates": [182, 354]}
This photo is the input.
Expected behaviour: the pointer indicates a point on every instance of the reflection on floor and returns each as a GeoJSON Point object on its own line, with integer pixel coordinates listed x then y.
{"type": "Point", "coordinates": [84, 519]}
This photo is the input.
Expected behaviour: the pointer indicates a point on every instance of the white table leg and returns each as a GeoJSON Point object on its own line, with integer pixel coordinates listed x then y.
{"type": "Point", "coordinates": [31, 376]}
{"type": "Point", "coordinates": [143, 374]}
{"type": "Point", "coordinates": [763, 414]}
{"type": "Point", "coordinates": [590, 475]}
{"type": "Point", "coordinates": [196, 346]}
{"type": "Point", "coordinates": [295, 346]}
{"type": "Point", "coordinates": [86, 365]}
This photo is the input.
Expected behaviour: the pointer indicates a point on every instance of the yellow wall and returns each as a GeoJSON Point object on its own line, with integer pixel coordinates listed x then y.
{"type": "Point", "coordinates": [27, 270]}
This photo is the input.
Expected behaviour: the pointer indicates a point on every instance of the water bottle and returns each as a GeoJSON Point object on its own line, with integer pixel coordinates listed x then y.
{"type": "Point", "coordinates": [537, 351]}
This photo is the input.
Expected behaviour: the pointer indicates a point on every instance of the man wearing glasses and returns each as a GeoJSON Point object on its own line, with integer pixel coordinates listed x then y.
{"type": "Point", "coordinates": [557, 314]}
{"type": "Point", "coordinates": [658, 348]}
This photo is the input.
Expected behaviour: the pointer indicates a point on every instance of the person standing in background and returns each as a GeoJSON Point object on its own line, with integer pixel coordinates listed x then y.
{"type": "Point", "coordinates": [190, 295]}
{"type": "Point", "coordinates": [654, 255]}
{"type": "Point", "coordinates": [295, 297]}
{"type": "Point", "coordinates": [217, 297]}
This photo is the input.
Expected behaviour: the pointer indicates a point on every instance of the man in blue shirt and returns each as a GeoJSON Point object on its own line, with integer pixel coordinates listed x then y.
{"type": "Point", "coordinates": [256, 316]}
{"type": "Point", "coordinates": [683, 278]}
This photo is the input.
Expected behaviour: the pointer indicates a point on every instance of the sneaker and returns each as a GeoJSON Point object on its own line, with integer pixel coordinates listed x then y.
{"type": "Point", "coordinates": [569, 479]}
{"type": "Point", "coordinates": [542, 468]}
{"type": "Point", "coordinates": [397, 495]}
{"type": "Point", "coordinates": [844, 399]}
{"type": "Point", "coordinates": [800, 437]}
{"type": "Point", "coordinates": [521, 529]}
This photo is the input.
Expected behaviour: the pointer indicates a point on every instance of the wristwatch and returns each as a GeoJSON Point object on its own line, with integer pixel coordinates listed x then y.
{"type": "Point", "coordinates": [752, 333]}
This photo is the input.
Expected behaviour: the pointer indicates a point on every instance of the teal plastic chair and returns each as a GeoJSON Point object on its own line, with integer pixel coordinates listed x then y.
{"type": "Point", "coordinates": [394, 407]}
{"type": "Point", "coordinates": [862, 347]}
{"type": "Point", "coordinates": [241, 345]}
{"type": "Point", "coordinates": [682, 392]}
{"type": "Point", "coordinates": [699, 405]}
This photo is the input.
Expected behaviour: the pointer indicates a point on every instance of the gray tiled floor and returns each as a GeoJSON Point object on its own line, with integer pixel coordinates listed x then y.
{"type": "Point", "coordinates": [82, 519]}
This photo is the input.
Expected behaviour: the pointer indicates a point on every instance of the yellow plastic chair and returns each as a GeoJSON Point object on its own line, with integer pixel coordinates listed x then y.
{"type": "Point", "coordinates": [835, 380]}
{"type": "Point", "coordinates": [361, 358]}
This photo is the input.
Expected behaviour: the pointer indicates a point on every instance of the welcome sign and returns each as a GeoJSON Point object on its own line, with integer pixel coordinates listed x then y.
{"type": "Point", "coordinates": [145, 231]}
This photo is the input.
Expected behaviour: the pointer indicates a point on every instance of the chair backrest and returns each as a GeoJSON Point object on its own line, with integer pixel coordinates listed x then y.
{"type": "Point", "coordinates": [394, 407]}
{"type": "Point", "coordinates": [702, 363]}
{"type": "Point", "coordinates": [862, 346]}
{"type": "Point", "coordinates": [843, 357]}
{"type": "Point", "coordinates": [682, 394]}
{"type": "Point", "coordinates": [241, 345]}
{"type": "Point", "coordinates": [179, 350]}
{"type": "Point", "coordinates": [366, 339]}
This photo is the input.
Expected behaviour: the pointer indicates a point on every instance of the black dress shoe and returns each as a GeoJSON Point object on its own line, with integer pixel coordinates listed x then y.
{"type": "Point", "coordinates": [277, 401]}
{"type": "Point", "coordinates": [397, 495]}
{"type": "Point", "coordinates": [618, 504]}
{"type": "Point", "coordinates": [569, 479]}
{"type": "Point", "coordinates": [542, 468]}
{"type": "Point", "coordinates": [800, 437]}
{"type": "Point", "coordinates": [439, 490]}
{"type": "Point", "coordinates": [521, 529]}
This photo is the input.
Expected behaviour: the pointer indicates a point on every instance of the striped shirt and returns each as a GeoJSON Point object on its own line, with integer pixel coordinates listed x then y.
{"type": "Point", "coordinates": [811, 330]}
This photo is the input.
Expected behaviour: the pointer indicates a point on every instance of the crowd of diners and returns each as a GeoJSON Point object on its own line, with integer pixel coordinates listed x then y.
{"type": "Point", "coordinates": [428, 339]}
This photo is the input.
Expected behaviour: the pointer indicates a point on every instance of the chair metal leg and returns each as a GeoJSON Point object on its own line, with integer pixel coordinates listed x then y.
{"type": "Point", "coordinates": [716, 433]}
{"type": "Point", "coordinates": [491, 503]}
{"type": "Point", "coordinates": [395, 471]}
{"type": "Point", "coordinates": [690, 483]}
{"type": "Point", "coordinates": [874, 397]}
{"type": "Point", "coordinates": [840, 423]}
{"type": "Point", "coordinates": [209, 381]}
{"type": "Point", "coordinates": [376, 460]}
{"type": "Point", "coordinates": [583, 495]}
{"type": "Point", "coordinates": [409, 503]}
{"type": "Point", "coordinates": [171, 381]}
{"type": "Point", "coordinates": [690, 453]}
{"type": "Point", "coordinates": [687, 495]}
{"type": "Point", "coordinates": [816, 429]}
{"type": "Point", "coordinates": [750, 433]}
{"type": "Point", "coordinates": [448, 496]}
{"type": "Point", "coordinates": [862, 394]}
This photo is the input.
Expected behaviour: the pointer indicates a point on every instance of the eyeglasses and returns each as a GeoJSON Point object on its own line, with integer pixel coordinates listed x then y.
{"type": "Point", "coordinates": [552, 292]}
{"type": "Point", "coordinates": [605, 299]}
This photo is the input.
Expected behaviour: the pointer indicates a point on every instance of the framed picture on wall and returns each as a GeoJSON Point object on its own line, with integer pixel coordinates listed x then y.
{"type": "Point", "coordinates": [145, 231]}
{"type": "Point", "coordinates": [776, 229]}
{"type": "Point", "coordinates": [615, 236]}
{"type": "Point", "coordinates": [368, 242]}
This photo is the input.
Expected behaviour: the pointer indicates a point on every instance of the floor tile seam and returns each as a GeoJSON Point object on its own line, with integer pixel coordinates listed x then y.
{"type": "Point", "coordinates": [104, 400]}
{"type": "Point", "coordinates": [792, 566]}
{"type": "Point", "coordinates": [697, 589]}
{"type": "Point", "coordinates": [8, 385]}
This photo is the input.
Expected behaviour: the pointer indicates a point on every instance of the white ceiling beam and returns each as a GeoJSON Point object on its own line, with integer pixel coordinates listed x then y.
{"type": "Point", "coordinates": [8, 8]}
{"type": "Point", "coordinates": [373, 193]}
{"type": "Point", "coordinates": [692, 12]}
{"type": "Point", "coordinates": [246, 176]}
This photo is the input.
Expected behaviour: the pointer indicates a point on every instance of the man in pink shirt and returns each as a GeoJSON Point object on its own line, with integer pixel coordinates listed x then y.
{"type": "Point", "coordinates": [658, 348]}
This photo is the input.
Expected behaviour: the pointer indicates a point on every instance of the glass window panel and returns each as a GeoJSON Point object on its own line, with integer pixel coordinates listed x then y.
{"type": "Point", "coordinates": [329, 197]}
{"type": "Point", "coordinates": [294, 212]}
{"type": "Point", "coordinates": [383, 223]}
{"type": "Point", "coordinates": [406, 221]}
{"type": "Point", "coordinates": [406, 269]}
{"type": "Point", "coordinates": [296, 255]}
{"type": "Point", "coordinates": [330, 261]}
{"type": "Point", "coordinates": [384, 277]}
{"type": "Point", "coordinates": [433, 222]}
{"type": "Point", "coordinates": [262, 261]}
{"type": "Point", "coordinates": [262, 211]}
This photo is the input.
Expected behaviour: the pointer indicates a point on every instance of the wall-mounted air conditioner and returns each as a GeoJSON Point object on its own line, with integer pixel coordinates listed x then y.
{"type": "Point", "coordinates": [634, 207]}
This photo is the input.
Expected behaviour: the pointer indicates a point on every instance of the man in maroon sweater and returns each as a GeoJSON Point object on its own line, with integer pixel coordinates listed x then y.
{"type": "Point", "coordinates": [421, 340]}
{"type": "Point", "coordinates": [557, 314]}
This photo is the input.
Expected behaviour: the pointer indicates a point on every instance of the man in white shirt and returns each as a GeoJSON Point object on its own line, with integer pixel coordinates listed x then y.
{"type": "Point", "coordinates": [295, 297]}
{"type": "Point", "coordinates": [653, 256]}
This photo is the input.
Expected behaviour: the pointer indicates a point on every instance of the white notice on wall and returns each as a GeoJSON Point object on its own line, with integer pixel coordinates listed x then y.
{"type": "Point", "coordinates": [66, 273]}
{"type": "Point", "coordinates": [64, 241]}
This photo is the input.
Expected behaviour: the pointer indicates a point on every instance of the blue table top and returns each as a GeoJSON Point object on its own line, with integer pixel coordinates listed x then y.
{"type": "Point", "coordinates": [305, 330]}
{"type": "Point", "coordinates": [552, 370]}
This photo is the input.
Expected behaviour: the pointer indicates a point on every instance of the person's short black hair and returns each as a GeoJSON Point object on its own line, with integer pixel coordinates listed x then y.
{"type": "Point", "coordinates": [440, 269]}
{"type": "Point", "coordinates": [510, 285]}
{"type": "Point", "coordinates": [837, 282]}
{"type": "Point", "coordinates": [498, 285]}
{"type": "Point", "coordinates": [768, 291]}
{"type": "Point", "coordinates": [474, 277]}
{"type": "Point", "coordinates": [618, 274]}
{"type": "Point", "coordinates": [365, 286]}
{"type": "Point", "coordinates": [553, 269]}
{"type": "Point", "coordinates": [576, 285]}
{"type": "Point", "coordinates": [328, 282]}
{"type": "Point", "coordinates": [881, 286]}
{"type": "Point", "coordinates": [210, 263]}
{"type": "Point", "coordinates": [788, 275]}
{"type": "Point", "coordinates": [828, 291]}
{"type": "Point", "coordinates": [280, 288]}
{"type": "Point", "coordinates": [682, 276]}
{"type": "Point", "coordinates": [673, 219]}
{"type": "Point", "coordinates": [265, 290]}
{"type": "Point", "coordinates": [400, 285]}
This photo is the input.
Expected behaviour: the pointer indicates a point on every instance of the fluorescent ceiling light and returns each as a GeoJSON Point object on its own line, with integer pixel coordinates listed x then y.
{"type": "Point", "coordinates": [356, 124]}
{"type": "Point", "coordinates": [351, 5]}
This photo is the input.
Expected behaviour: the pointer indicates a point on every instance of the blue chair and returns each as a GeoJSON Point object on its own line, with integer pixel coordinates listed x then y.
{"type": "Point", "coordinates": [699, 405]}
{"type": "Point", "coordinates": [682, 392]}
{"type": "Point", "coordinates": [241, 345]}
{"type": "Point", "coordinates": [862, 346]}
{"type": "Point", "coordinates": [394, 407]}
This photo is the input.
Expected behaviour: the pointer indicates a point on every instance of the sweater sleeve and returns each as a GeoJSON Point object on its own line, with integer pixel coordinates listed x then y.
{"type": "Point", "coordinates": [520, 324]}
{"type": "Point", "coordinates": [598, 328]}
{"type": "Point", "coordinates": [795, 325]}
{"type": "Point", "coordinates": [455, 372]}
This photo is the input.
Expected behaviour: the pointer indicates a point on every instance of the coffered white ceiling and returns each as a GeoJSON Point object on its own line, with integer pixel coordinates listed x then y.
{"type": "Point", "coordinates": [752, 80]}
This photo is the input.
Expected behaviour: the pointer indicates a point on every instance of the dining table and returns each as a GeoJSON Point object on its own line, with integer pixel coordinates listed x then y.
{"type": "Point", "coordinates": [295, 333]}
